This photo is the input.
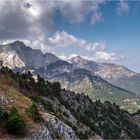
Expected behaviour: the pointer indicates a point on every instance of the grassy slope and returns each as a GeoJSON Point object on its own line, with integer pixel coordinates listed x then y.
{"type": "Point", "coordinates": [14, 98]}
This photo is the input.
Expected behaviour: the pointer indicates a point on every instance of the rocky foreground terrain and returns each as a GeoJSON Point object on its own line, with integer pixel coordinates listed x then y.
{"type": "Point", "coordinates": [38, 109]}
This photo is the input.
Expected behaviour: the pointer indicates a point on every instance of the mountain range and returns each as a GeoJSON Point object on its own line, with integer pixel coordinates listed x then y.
{"type": "Point", "coordinates": [115, 74]}
{"type": "Point", "coordinates": [100, 81]}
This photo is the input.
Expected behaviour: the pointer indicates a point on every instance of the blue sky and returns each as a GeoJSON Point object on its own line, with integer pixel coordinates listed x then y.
{"type": "Point", "coordinates": [103, 31]}
{"type": "Point", "coordinates": [121, 33]}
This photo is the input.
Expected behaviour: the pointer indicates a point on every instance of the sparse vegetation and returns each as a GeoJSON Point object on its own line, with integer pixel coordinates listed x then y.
{"type": "Point", "coordinates": [47, 104]}
{"type": "Point", "coordinates": [15, 124]}
{"type": "Point", "coordinates": [3, 115]}
{"type": "Point", "coordinates": [82, 135]}
{"type": "Point", "coordinates": [33, 112]}
{"type": "Point", "coordinates": [78, 111]}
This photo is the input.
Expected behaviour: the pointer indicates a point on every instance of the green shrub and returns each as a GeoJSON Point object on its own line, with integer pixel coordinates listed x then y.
{"type": "Point", "coordinates": [47, 104]}
{"type": "Point", "coordinates": [47, 125]}
{"type": "Point", "coordinates": [56, 88]}
{"type": "Point", "coordinates": [3, 115]}
{"type": "Point", "coordinates": [13, 111]}
{"type": "Point", "coordinates": [67, 122]}
{"type": "Point", "coordinates": [82, 135]}
{"type": "Point", "coordinates": [34, 113]}
{"type": "Point", "coordinates": [15, 124]}
{"type": "Point", "coordinates": [66, 114]}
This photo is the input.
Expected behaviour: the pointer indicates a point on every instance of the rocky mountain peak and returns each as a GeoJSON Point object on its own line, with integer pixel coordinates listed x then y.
{"type": "Point", "coordinates": [78, 59]}
{"type": "Point", "coordinates": [18, 55]}
{"type": "Point", "coordinates": [18, 43]}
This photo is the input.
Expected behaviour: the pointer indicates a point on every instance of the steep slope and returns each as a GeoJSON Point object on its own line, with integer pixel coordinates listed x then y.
{"type": "Point", "coordinates": [58, 68]}
{"type": "Point", "coordinates": [82, 80]}
{"type": "Point", "coordinates": [22, 94]}
{"type": "Point", "coordinates": [112, 73]}
{"type": "Point", "coordinates": [103, 118]}
{"type": "Point", "coordinates": [120, 76]}
{"type": "Point", "coordinates": [51, 113]}
{"type": "Point", "coordinates": [18, 55]}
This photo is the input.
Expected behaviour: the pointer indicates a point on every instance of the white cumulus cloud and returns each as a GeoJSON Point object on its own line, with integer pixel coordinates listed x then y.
{"type": "Point", "coordinates": [64, 39]}
{"type": "Point", "coordinates": [23, 19]}
{"type": "Point", "coordinates": [105, 56]}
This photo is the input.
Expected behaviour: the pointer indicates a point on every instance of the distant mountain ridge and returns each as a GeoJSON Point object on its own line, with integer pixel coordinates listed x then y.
{"type": "Point", "coordinates": [115, 74]}
{"type": "Point", "coordinates": [18, 55]}
{"type": "Point", "coordinates": [84, 81]}
{"type": "Point", "coordinates": [79, 75]}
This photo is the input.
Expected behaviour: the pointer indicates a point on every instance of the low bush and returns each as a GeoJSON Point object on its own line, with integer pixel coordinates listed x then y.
{"type": "Point", "coordinates": [34, 113]}
{"type": "Point", "coordinates": [15, 124]}
{"type": "Point", "coordinates": [3, 115]}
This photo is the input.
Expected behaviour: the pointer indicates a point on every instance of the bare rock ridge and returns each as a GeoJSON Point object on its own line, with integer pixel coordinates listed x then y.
{"type": "Point", "coordinates": [18, 55]}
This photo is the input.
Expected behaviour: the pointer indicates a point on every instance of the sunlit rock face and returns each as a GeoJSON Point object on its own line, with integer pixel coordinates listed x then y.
{"type": "Point", "coordinates": [18, 55]}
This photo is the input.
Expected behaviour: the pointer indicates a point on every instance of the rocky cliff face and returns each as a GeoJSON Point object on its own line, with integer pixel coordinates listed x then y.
{"type": "Point", "coordinates": [55, 129]}
{"type": "Point", "coordinates": [58, 68]}
{"type": "Point", "coordinates": [18, 55]}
